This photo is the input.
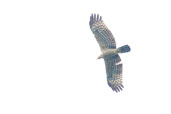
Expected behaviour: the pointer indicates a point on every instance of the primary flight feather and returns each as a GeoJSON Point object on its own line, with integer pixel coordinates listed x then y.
{"type": "Point", "coordinates": [110, 53]}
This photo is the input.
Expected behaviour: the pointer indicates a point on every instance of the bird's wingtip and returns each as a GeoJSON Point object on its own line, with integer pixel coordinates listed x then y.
{"type": "Point", "coordinates": [94, 18]}
{"type": "Point", "coordinates": [117, 87]}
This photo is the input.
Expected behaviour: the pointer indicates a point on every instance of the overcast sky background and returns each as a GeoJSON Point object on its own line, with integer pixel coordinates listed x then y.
{"type": "Point", "coordinates": [48, 57]}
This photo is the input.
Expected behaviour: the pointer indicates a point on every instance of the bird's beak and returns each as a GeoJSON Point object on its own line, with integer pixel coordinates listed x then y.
{"type": "Point", "coordinates": [99, 57]}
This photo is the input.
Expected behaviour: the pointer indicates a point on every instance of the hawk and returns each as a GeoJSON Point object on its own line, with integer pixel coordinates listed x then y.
{"type": "Point", "coordinates": [109, 51]}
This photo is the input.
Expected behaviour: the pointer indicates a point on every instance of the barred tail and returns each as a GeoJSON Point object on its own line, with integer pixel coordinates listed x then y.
{"type": "Point", "coordinates": [124, 49]}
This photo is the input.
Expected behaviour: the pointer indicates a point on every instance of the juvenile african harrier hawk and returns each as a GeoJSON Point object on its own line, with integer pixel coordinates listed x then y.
{"type": "Point", "coordinates": [110, 53]}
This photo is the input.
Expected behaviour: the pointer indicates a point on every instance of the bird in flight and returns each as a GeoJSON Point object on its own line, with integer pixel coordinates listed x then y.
{"type": "Point", "coordinates": [109, 51]}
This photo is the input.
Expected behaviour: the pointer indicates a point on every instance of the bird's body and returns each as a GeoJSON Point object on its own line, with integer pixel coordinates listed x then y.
{"type": "Point", "coordinates": [110, 53]}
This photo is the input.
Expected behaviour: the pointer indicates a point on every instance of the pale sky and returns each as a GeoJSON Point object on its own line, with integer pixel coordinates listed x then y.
{"type": "Point", "coordinates": [48, 57]}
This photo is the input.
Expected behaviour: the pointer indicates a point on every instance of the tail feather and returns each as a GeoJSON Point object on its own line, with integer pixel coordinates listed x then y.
{"type": "Point", "coordinates": [124, 49]}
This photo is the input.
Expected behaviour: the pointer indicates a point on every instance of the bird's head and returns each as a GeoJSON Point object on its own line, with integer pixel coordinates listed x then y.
{"type": "Point", "coordinates": [101, 56]}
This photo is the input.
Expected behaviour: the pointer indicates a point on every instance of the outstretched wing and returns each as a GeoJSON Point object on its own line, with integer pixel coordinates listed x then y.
{"type": "Point", "coordinates": [114, 72]}
{"type": "Point", "coordinates": [102, 34]}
